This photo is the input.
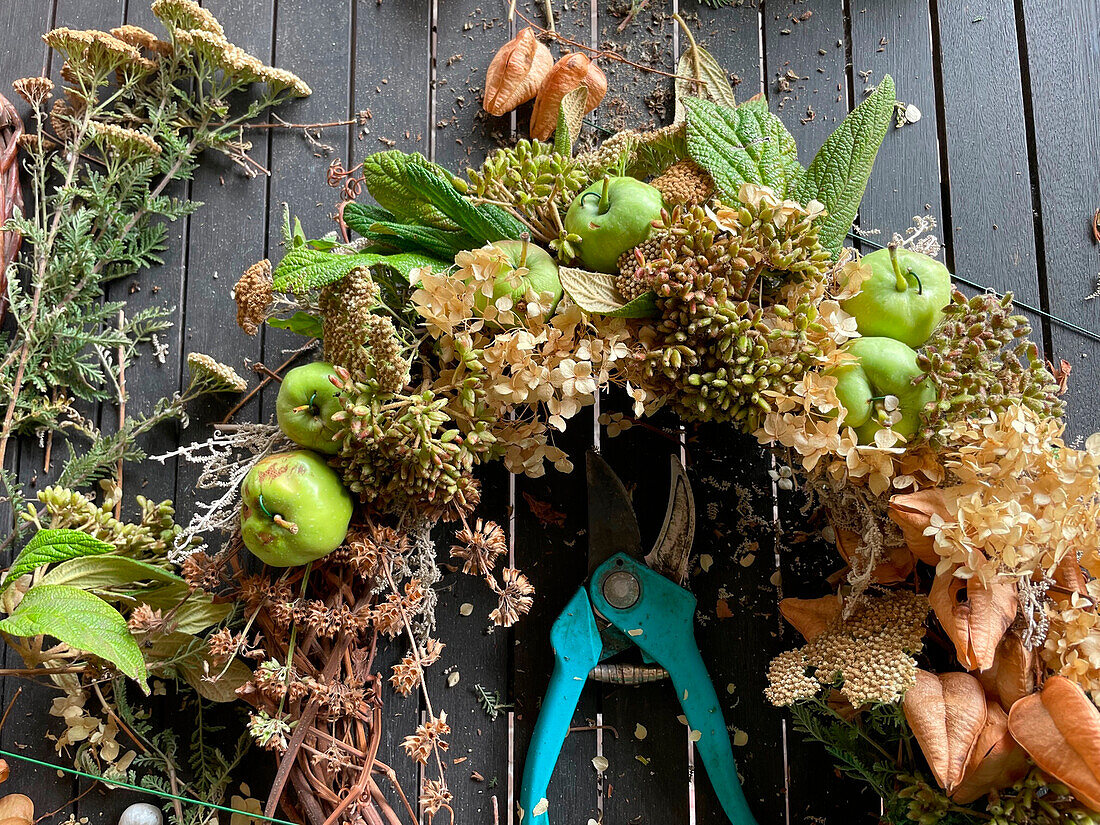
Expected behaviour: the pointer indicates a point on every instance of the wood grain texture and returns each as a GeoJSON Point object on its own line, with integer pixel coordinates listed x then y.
{"type": "Point", "coordinates": [1065, 147]}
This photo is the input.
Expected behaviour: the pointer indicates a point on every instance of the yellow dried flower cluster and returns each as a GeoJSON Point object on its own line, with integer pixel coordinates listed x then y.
{"type": "Point", "coordinates": [140, 38]}
{"type": "Point", "coordinates": [1025, 500]}
{"type": "Point", "coordinates": [96, 54]}
{"type": "Point", "coordinates": [187, 15]}
{"type": "Point", "coordinates": [213, 376]}
{"type": "Point", "coordinates": [869, 654]}
{"type": "Point", "coordinates": [535, 374]}
{"type": "Point", "coordinates": [126, 143]}
{"type": "Point", "coordinates": [1072, 647]}
{"type": "Point", "coordinates": [34, 90]}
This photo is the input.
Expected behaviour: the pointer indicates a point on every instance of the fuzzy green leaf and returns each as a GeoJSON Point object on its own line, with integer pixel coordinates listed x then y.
{"type": "Point", "coordinates": [570, 118]}
{"type": "Point", "coordinates": [51, 546]}
{"type": "Point", "coordinates": [748, 144]}
{"type": "Point", "coordinates": [385, 175]}
{"type": "Point", "coordinates": [80, 620]}
{"type": "Point", "coordinates": [595, 292]}
{"type": "Point", "coordinates": [839, 172]}
{"type": "Point", "coordinates": [304, 268]}
{"type": "Point", "coordinates": [696, 62]}
{"type": "Point", "coordinates": [95, 572]}
{"type": "Point", "coordinates": [301, 323]}
{"type": "Point", "coordinates": [484, 222]}
{"type": "Point", "coordinates": [193, 612]}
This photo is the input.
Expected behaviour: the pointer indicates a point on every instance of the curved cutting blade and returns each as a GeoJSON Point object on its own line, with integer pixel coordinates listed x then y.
{"type": "Point", "coordinates": [671, 551]}
{"type": "Point", "coordinates": [612, 526]}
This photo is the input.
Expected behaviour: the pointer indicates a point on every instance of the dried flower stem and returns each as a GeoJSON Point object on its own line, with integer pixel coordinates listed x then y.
{"type": "Point", "coordinates": [121, 410]}
{"type": "Point", "coordinates": [252, 393]}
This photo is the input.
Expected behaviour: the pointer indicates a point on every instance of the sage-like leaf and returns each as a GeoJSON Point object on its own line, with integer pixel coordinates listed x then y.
{"type": "Point", "coordinates": [570, 118]}
{"type": "Point", "coordinates": [303, 268]}
{"type": "Point", "coordinates": [189, 656]}
{"type": "Point", "coordinates": [714, 84]}
{"type": "Point", "coordinates": [193, 612]}
{"type": "Point", "coordinates": [839, 172]}
{"type": "Point", "coordinates": [80, 620]}
{"type": "Point", "coordinates": [595, 292]}
{"type": "Point", "coordinates": [97, 572]}
{"type": "Point", "coordinates": [301, 323]}
{"type": "Point", "coordinates": [748, 144]}
{"type": "Point", "coordinates": [52, 546]}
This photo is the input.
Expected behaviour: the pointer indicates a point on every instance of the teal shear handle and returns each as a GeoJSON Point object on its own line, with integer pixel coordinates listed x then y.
{"type": "Point", "coordinates": [577, 647]}
{"type": "Point", "coordinates": [663, 614]}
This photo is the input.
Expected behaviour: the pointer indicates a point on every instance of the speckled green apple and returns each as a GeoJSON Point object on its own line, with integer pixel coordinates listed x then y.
{"type": "Point", "coordinates": [294, 509]}
{"type": "Point", "coordinates": [306, 403]}
{"type": "Point", "coordinates": [884, 367]}
{"type": "Point", "coordinates": [610, 217]}
{"type": "Point", "coordinates": [541, 276]}
{"type": "Point", "coordinates": [904, 297]}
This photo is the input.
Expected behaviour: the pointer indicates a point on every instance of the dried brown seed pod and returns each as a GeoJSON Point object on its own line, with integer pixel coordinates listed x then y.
{"type": "Point", "coordinates": [516, 73]}
{"type": "Point", "coordinates": [947, 713]}
{"type": "Point", "coordinates": [976, 615]}
{"type": "Point", "coordinates": [572, 71]}
{"type": "Point", "coordinates": [996, 761]}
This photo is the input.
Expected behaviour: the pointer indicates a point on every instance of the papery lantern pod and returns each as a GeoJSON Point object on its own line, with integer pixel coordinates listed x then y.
{"type": "Point", "coordinates": [1012, 675]}
{"type": "Point", "coordinates": [913, 512]}
{"type": "Point", "coordinates": [572, 71]}
{"type": "Point", "coordinates": [16, 809]}
{"type": "Point", "coordinates": [1059, 727]}
{"type": "Point", "coordinates": [895, 564]}
{"type": "Point", "coordinates": [996, 761]}
{"type": "Point", "coordinates": [977, 623]}
{"type": "Point", "coordinates": [516, 73]}
{"type": "Point", "coordinates": [810, 616]}
{"type": "Point", "coordinates": [947, 713]}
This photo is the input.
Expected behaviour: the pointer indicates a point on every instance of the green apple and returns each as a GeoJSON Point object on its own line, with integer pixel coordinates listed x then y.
{"type": "Point", "coordinates": [904, 297]}
{"type": "Point", "coordinates": [542, 275]}
{"type": "Point", "coordinates": [305, 406]}
{"type": "Point", "coordinates": [610, 217]}
{"type": "Point", "coordinates": [294, 509]}
{"type": "Point", "coordinates": [886, 367]}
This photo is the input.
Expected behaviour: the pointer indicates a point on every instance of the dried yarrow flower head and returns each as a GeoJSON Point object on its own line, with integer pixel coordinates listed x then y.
{"type": "Point", "coordinates": [208, 375]}
{"type": "Point", "coordinates": [981, 357]}
{"type": "Point", "coordinates": [515, 598]}
{"type": "Point", "coordinates": [428, 738]}
{"type": "Point", "coordinates": [684, 183]}
{"type": "Point", "coordinates": [1024, 501]}
{"type": "Point", "coordinates": [187, 15]}
{"type": "Point", "coordinates": [94, 56]}
{"type": "Point", "coordinates": [869, 653]}
{"type": "Point", "coordinates": [478, 548]}
{"type": "Point", "coordinates": [253, 294]}
{"type": "Point", "coordinates": [34, 90]}
{"type": "Point", "coordinates": [127, 144]}
{"type": "Point", "coordinates": [140, 38]}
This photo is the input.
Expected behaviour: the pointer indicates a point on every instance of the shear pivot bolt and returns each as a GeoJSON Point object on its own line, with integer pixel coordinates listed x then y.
{"type": "Point", "coordinates": [621, 589]}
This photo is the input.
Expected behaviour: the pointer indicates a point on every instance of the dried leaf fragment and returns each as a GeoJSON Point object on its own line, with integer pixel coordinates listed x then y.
{"type": "Point", "coordinates": [913, 512]}
{"type": "Point", "coordinates": [1059, 727]}
{"type": "Point", "coordinates": [976, 616]}
{"type": "Point", "coordinates": [572, 71]}
{"type": "Point", "coordinates": [947, 713]}
{"type": "Point", "coordinates": [810, 616]}
{"type": "Point", "coordinates": [516, 73]}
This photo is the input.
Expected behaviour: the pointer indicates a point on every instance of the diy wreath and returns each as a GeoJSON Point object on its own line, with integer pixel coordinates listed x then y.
{"type": "Point", "coordinates": [461, 320]}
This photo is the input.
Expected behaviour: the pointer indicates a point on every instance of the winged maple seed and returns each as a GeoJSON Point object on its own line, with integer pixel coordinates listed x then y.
{"type": "Point", "coordinates": [571, 72]}
{"type": "Point", "coordinates": [947, 713]}
{"type": "Point", "coordinates": [516, 73]}
{"type": "Point", "coordinates": [1059, 727]}
{"type": "Point", "coordinates": [975, 616]}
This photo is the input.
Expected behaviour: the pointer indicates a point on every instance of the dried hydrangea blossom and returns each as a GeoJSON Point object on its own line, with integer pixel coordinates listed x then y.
{"type": "Point", "coordinates": [1072, 646]}
{"type": "Point", "coordinates": [1024, 502]}
{"type": "Point", "coordinates": [869, 653]}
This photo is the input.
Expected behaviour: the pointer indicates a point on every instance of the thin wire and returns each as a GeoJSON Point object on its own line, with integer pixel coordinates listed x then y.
{"type": "Point", "coordinates": [164, 795]}
{"type": "Point", "coordinates": [1088, 333]}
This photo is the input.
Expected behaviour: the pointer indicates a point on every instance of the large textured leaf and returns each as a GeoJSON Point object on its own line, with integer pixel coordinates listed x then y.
{"type": "Point", "coordinates": [385, 174]}
{"type": "Point", "coordinates": [696, 62]}
{"type": "Point", "coordinates": [839, 172]}
{"type": "Point", "coordinates": [51, 546]}
{"type": "Point", "coordinates": [595, 292]}
{"type": "Point", "coordinates": [744, 145]}
{"type": "Point", "coordinates": [95, 572]}
{"type": "Point", "coordinates": [190, 657]}
{"type": "Point", "coordinates": [484, 222]}
{"type": "Point", "coordinates": [303, 268]}
{"type": "Point", "coordinates": [194, 615]}
{"type": "Point", "coordinates": [570, 117]}
{"type": "Point", "coordinates": [82, 621]}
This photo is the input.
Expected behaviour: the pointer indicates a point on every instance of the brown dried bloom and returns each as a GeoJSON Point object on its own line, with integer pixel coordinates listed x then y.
{"type": "Point", "coordinates": [34, 90]}
{"type": "Point", "coordinates": [478, 548]}
{"type": "Point", "coordinates": [201, 571]}
{"type": "Point", "coordinates": [140, 38]}
{"type": "Point", "coordinates": [435, 797]}
{"type": "Point", "coordinates": [253, 293]}
{"type": "Point", "coordinates": [223, 644]}
{"type": "Point", "coordinates": [146, 620]}
{"type": "Point", "coordinates": [408, 673]}
{"type": "Point", "coordinates": [870, 652]}
{"type": "Point", "coordinates": [515, 598]}
{"type": "Point", "coordinates": [427, 738]}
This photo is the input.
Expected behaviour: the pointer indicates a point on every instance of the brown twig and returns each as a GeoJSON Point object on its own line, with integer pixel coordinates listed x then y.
{"type": "Point", "coordinates": [251, 393]}
{"type": "Point", "coordinates": [630, 17]}
{"type": "Point", "coordinates": [598, 52]}
{"type": "Point", "coordinates": [68, 804]}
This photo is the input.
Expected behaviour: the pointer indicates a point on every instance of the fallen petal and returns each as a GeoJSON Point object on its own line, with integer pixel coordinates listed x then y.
{"type": "Point", "coordinates": [810, 616]}
{"type": "Point", "coordinates": [913, 512]}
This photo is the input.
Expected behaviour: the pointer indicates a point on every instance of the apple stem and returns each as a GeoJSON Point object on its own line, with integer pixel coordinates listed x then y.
{"type": "Point", "coordinates": [526, 238]}
{"type": "Point", "coordinates": [605, 202]}
{"type": "Point", "coordinates": [289, 526]}
{"type": "Point", "coordinates": [901, 283]}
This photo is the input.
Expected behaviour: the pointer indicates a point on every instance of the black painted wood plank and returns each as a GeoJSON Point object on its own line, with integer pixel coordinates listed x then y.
{"type": "Point", "coordinates": [391, 85]}
{"type": "Point", "coordinates": [465, 36]}
{"type": "Point", "coordinates": [1063, 64]}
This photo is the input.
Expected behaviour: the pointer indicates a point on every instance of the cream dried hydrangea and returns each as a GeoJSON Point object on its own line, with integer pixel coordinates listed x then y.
{"type": "Point", "coordinates": [1072, 647]}
{"type": "Point", "coordinates": [1024, 502]}
{"type": "Point", "coordinates": [869, 654]}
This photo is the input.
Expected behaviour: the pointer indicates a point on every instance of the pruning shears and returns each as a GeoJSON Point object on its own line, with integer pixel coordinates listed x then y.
{"type": "Point", "coordinates": [631, 600]}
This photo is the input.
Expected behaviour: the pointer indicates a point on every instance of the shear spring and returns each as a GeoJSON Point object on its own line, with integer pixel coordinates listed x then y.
{"type": "Point", "coordinates": [627, 674]}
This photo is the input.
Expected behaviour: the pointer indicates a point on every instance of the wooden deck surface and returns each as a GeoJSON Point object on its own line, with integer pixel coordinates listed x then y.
{"type": "Point", "coordinates": [1006, 157]}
